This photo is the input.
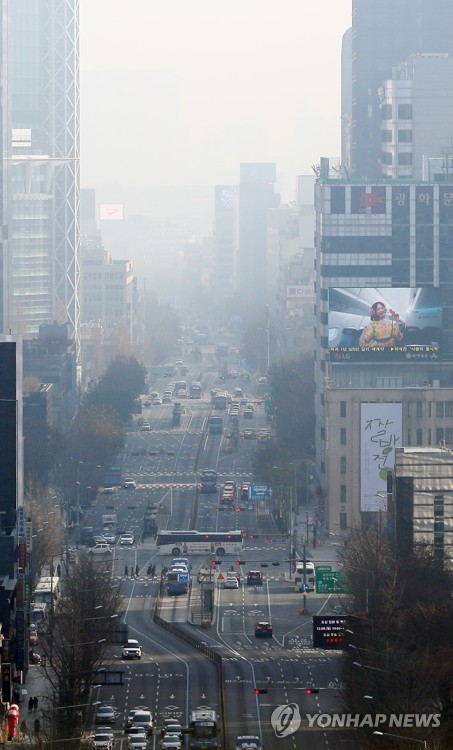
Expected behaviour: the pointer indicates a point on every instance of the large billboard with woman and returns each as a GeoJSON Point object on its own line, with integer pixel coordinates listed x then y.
{"type": "Point", "coordinates": [385, 323]}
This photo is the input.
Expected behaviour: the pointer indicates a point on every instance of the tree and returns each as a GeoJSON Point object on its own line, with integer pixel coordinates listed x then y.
{"type": "Point", "coordinates": [116, 391]}
{"type": "Point", "coordinates": [292, 405]}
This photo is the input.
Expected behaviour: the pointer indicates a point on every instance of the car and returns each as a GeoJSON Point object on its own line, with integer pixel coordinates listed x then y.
{"type": "Point", "coordinates": [144, 720]}
{"type": "Point", "coordinates": [105, 729]}
{"type": "Point", "coordinates": [145, 427]}
{"type": "Point", "coordinates": [129, 484]}
{"type": "Point", "coordinates": [231, 582]}
{"type": "Point", "coordinates": [248, 742]}
{"type": "Point", "coordinates": [105, 715]}
{"type": "Point", "coordinates": [263, 630]}
{"type": "Point", "coordinates": [249, 435]}
{"type": "Point", "coordinates": [154, 394]}
{"type": "Point", "coordinates": [178, 362]}
{"type": "Point", "coordinates": [100, 549]}
{"type": "Point", "coordinates": [167, 397]}
{"type": "Point", "coordinates": [109, 537]}
{"type": "Point", "coordinates": [107, 490]}
{"type": "Point", "coordinates": [157, 401]}
{"type": "Point", "coordinates": [137, 742]}
{"type": "Point", "coordinates": [131, 714]}
{"type": "Point", "coordinates": [170, 742]}
{"type": "Point", "coordinates": [126, 539]}
{"type": "Point", "coordinates": [131, 649]}
{"type": "Point", "coordinates": [182, 561]}
{"type": "Point", "coordinates": [174, 729]}
{"type": "Point", "coordinates": [248, 414]}
{"type": "Point", "coordinates": [102, 740]}
{"type": "Point", "coordinates": [254, 578]}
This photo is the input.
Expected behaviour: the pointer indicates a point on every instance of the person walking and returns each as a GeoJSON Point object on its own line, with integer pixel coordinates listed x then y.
{"type": "Point", "coordinates": [137, 570]}
{"type": "Point", "coordinates": [153, 570]}
{"type": "Point", "coordinates": [126, 571]}
{"type": "Point", "coordinates": [35, 704]}
{"type": "Point", "coordinates": [148, 572]}
{"type": "Point", "coordinates": [37, 726]}
{"type": "Point", "coordinates": [30, 703]}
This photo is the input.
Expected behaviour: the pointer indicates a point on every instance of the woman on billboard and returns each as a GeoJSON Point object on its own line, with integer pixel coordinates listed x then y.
{"type": "Point", "coordinates": [381, 331]}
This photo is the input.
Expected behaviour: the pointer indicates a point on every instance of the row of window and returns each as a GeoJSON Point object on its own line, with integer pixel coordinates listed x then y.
{"type": "Point", "coordinates": [404, 158]}
{"type": "Point", "coordinates": [404, 112]}
{"type": "Point", "coordinates": [442, 409]}
{"type": "Point", "coordinates": [404, 136]}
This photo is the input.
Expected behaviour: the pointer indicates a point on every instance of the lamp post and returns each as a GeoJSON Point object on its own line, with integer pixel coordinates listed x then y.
{"type": "Point", "coordinates": [268, 338]}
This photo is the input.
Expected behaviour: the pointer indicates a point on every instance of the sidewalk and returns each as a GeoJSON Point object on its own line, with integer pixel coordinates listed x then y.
{"type": "Point", "coordinates": [35, 686]}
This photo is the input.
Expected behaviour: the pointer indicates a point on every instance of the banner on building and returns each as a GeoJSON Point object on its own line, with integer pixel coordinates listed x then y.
{"type": "Point", "coordinates": [111, 212]}
{"type": "Point", "coordinates": [381, 427]}
{"type": "Point", "coordinates": [302, 294]}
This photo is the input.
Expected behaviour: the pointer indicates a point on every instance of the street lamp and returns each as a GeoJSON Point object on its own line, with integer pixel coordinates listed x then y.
{"type": "Point", "coordinates": [402, 737]}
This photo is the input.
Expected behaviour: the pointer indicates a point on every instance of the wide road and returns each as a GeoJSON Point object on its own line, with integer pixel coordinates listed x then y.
{"type": "Point", "coordinates": [172, 678]}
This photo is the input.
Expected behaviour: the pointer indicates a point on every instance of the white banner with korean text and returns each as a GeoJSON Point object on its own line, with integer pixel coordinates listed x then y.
{"type": "Point", "coordinates": [381, 431]}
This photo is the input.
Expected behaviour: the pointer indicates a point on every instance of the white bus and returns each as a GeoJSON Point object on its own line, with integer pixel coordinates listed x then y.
{"type": "Point", "coordinates": [180, 542]}
{"type": "Point", "coordinates": [47, 585]}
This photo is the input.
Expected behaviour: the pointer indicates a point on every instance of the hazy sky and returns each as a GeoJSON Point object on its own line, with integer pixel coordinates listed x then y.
{"type": "Point", "coordinates": [179, 92]}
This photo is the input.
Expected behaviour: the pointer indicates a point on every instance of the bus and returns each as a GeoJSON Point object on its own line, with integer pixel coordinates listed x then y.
{"type": "Point", "coordinates": [203, 730]}
{"type": "Point", "coordinates": [182, 542]}
{"type": "Point", "coordinates": [195, 389]}
{"type": "Point", "coordinates": [177, 582]}
{"type": "Point", "coordinates": [44, 589]}
{"type": "Point", "coordinates": [208, 481]}
{"type": "Point", "coordinates": [180, 389]}
{"type": "Point", "coordinates": [220, 401]}
{"type": "Point", "coordinates": [215, 425]}
{"type": "Point", "coordinates": [310, 574]}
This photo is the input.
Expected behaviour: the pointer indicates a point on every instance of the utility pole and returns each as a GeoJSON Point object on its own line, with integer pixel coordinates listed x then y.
{"type": "Point", "coordinates": [304, 580]}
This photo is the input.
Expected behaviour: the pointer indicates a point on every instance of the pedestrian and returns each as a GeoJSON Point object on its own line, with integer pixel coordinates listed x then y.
{"type": "Point", "coordinates": [137, 570]}
{"type": "Point", "coordinates": [126, 571]}
{"type": "Point", "coordinates": [59, 570]}
{"type": "Point", "coordinates": [153, 570]}
{"type": "Point", "coordinates": [30, 703]}
{"type": "Point", "coordinates": [35, 704]}
{"type": "Point", "coordinates": [24, 728]}
{"type": "Point", "coordinates": [37, 726]}
{"type": "Point", "coordinates": [148, 572]}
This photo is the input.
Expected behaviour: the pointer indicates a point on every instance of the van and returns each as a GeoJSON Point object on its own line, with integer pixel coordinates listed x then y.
{"type": "Point", "coordinates": [309, 573]}
{"type": "Point", "coordinates": [254, 578]}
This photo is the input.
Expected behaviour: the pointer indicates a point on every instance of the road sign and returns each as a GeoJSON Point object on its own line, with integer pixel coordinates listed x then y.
{"type": "Point", "coordinates": [323, 567]}
{"type": "Point", "coordinates": [220, 577]}
{"type": "Point", "coordinates": [260, 491]}
{"type": "Point", "coordinates": [328, 631]}
{"type": "Point", "coordinates": [331, 582]}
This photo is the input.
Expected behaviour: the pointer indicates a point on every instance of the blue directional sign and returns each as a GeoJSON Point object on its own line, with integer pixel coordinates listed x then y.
{"type": "Point", "coordinates": [260, 491]}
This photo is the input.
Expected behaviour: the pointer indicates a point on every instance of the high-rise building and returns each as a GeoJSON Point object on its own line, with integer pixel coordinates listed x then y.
{"type": "Point", "coordinates": [226, 215]}
{"type": "Point", "coordinates": [384, 34]}
{"type": "Point", "coordinates": [256, 196]}
{"type": "Point", "coordinates": [40, 124]}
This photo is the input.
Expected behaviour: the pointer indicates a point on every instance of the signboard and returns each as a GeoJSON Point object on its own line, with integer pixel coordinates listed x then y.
{"type": "Point", "coordinates": [380, 433]}
{"type": "Point", "coordinates": [302, 294]}
{"type": "Point", "coordinates": [385, 324]}
{"type": "Point", "coordinates": [260, 491]}
{"type": "Point", "coordinates": [322, 567]}
{"type": "Point", "coordinates": [111, 212]}
{"type": "Point", "coordinates": [328, 632]}
{"type": "Point", "coordinates": [7, 693]}
{"type": "Point", "coordinates": [330, 582]}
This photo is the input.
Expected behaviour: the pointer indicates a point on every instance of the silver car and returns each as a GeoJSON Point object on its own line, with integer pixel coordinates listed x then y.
{"type": "Point", "coordinates": [105, 715]}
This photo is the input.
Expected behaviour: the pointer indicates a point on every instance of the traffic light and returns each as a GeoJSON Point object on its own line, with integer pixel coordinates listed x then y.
{"type": "Point", "coordinates": [275, 564]}
{"type": "Point", "coordinates": [310, 691]}
{"type": "Point", "coordinates": [240, 562]}
{"type": "Point", "coordinates": [216, 562]}
{"type": "Point", "coordinates": [260, 691]}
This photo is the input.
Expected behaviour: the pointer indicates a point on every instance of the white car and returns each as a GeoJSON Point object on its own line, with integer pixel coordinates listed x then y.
{"type": "Point", "coordinates": [102, 741]}
{"type": "Point", "coordinates": [107, 490]}
{"type": "Point", "coordinates": [137, 741]}
{"type": "Point", "coordinates": [101, 549]}
{"type": "Point", "coordinates": [126, 539]}
{"type": "Point", "coordinates": [132, 650]}
{"type": "Point", "coordinates": [170, 742]}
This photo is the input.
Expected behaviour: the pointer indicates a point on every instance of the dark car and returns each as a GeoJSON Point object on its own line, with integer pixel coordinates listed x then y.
{"type": "Point", "coordinates": [263, 630]}
{"type": "Point", "coordinates": [254, 578]}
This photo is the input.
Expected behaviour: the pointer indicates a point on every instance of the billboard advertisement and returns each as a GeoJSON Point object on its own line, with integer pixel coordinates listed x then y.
{"type": "Point", "coordinates": [381, 430]}
{"type": "Point", "coordinates": [385, 324]}
{"type": "Point", "coordinates": [111, 212]}
{"type": "Point", "coordinates": [301, 294]}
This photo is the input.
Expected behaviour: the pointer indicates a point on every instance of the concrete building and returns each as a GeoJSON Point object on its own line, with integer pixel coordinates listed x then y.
{"type": "Point", "coordinates": [226, 240]}
{"type": "Point", "coordinates": [417, 115]}
{"type": "Point", "coordinates": [422, 502]}
{"type": "Point", "coordinates": [40, 125]}
{"type": "Point", "coordinates": [383, 35]}
{"type": "Point", "coordinates": [389, 243]}
{"type": "Point", "coordinates": [256, 196]}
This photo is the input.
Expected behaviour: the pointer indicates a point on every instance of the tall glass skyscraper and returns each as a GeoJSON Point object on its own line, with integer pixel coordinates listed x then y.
{"type": "Point", "coordinates": [40, 123]}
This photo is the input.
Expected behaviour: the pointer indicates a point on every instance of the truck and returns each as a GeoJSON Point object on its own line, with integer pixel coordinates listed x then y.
{"type": "Point", "coordinates": [177, 411]}
{"type": "Point", "coordinates": [215, 425]}
{"type": "Point", "coordinates": [109, 519]}
{"type": "Point", "coordinates": [113, 476]}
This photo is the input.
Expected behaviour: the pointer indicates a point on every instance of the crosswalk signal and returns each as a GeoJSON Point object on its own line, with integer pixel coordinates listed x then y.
{"type": "Point", "coordinates": [310, 691]}
{"type": "Point", "coordinates": [260, 691]}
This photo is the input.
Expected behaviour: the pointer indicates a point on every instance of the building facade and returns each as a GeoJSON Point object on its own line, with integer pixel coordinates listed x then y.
{"type": "Point", "coordinates": [383, 35]}
{"type": "Point", "coordinates": [40, 124]}
{"type": "Point", "coordinates": [386, 243]}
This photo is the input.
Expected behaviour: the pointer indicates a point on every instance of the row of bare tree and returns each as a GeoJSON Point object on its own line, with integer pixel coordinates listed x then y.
{"type": "Point", "coordinates": [398, 656]}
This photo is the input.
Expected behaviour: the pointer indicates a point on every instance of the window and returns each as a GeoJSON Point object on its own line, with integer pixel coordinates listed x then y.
{"type": "Point", "coordinates": [420, 409]}
{"type": "Point", "coordinates": [404, 111]}
{"type": "Point", "coordinates": [343, 521]}
{"type": "Point", "coordinates": [342, 464]}
{"type": "Point", "coordinates": [409, 437]}
{"type": "Point", "coordinates": [386, 111]}
{"type": "Point", "coordinates": [419, 437]}
{"type": "Point", "coordinates": [342, 493]}
{"type": "Point", "coordinates": [405, 159]}
{"type": "Point", "coordinates": [429, 436]}
{"type": "Point", "coordinates": [343, 436]}
{"type": "Point", "coordinates": [386, 158]}
{"type": "Point", "coordinates": [449, 408]}
{"type": "Point", "coordinates": [439, 409]}
{"type": "Point", "coordinates": [405, 136]}
{"type": "Point", "coordinates": [342, 408]}
{"type": "Point", "coordinates": [448, 435]}
{"type": "Point", "coordinates": [386, 136]}
{"type": "Point", "coordinates": [439, 435]}
{"type": "Point", "coordinates": [429, 409]}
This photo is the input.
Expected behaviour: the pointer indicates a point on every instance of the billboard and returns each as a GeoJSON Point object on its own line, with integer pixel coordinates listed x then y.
{"type": "Point", "coordinates": [301, 294]}
{"type": "Point", "coordinates": [385, 324]}
{"type": "Point", "coordinates": [328, 631]}
{"type": "Point", "coordinates": [381, 429]}
{"type": "Point", "coordinates": [111, 212]}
